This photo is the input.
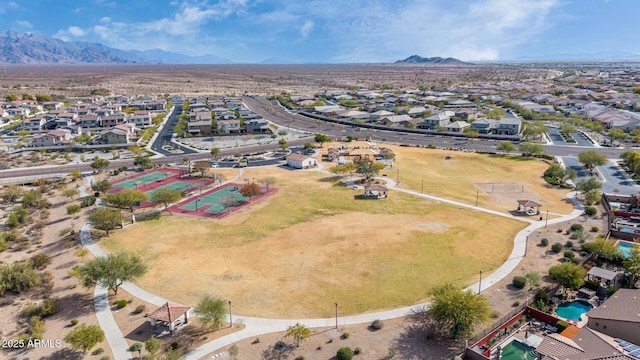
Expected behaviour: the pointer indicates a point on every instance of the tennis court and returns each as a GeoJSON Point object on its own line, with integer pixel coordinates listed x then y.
{"type": "Point", "coordinates": [142, 180]}
{"type": "Point", "coordinates": [213, 203]}
{"type": "Point", "coordinates": [176, 185]}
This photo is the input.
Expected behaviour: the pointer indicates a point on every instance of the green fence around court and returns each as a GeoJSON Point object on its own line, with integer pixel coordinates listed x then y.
{"type": "Point", "coordinates": [214, 200]}
{"type": "Point", "coordinates": [142, 180]}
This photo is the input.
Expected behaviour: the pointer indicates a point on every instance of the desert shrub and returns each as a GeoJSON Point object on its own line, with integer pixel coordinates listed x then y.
{"type": "Point", "coordinates": [135, 347]}
{"type": "Point", "coordinates": [36, 327]}
{"type": "Point", "coordinates": [74, 322]}
{"type": "Point", "coordinates": [519, 282]}
{"type": "Point", "coordinates": [357, 351]}
{"type": "Point", "coordinates": [40, 261]}
{"type": "Point", "coordinates": [49, 307]}
{"type": "Point", "coordinates": [344, 353]}
{"type": "Point", "coordinates": [569, 244]}
{"type": "Point", "coordinates": [557, 247]}
{"type": "Point", "coordinates": [542, 295]}
{"type": "Point", "coordinates": [516, 303]}
{"type": "Point", "coordinates": [300, 357]}
{"type": "Point", "coordinates": [576, 227]}
{"type": "Point", "coordinates": [590, 211]}
{"type": "Point", "coordinates": [98, 351]}
{"type": "Point", "coordinates": [344, 336]}
{"type": "Point", "coordinates": [376, 324]}
{"type": "Point", "coordinates": [575, 260]}
{"type": "Point", "coordinates": [139, 309]}
{"type": "Point", "coordinates": [281, 344]}
{"type": "Point", "coordinates": [121, 303]}
{"type": "Point", "coordinates": [544, 242]}
{"type": "Point", "coordinates": [87, 201]}
{"type": "Point", "coordinates": [559, 230]}
{"type": "Point", "coordinates": [569, 254]}
{"type": "Point", "coordinates": [611, 290]}
{"type": "Point", "coordinates": [561, 325]}
{"type": "Point", "coordinates": [595, 229]}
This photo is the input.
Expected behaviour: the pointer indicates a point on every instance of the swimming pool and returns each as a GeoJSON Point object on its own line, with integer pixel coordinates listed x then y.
{"type": "Point", "coordinates": [625, 248]}
{"type": "Point", "coordinates": [518, 351]}
{"type": "Point", "coordinates": [573, 310]}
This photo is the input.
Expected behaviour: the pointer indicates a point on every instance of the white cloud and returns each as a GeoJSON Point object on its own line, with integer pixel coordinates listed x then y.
{"type": "Point", "coordinates": [105, 19]}
{"type": "Point", "coordinates": [77, 10]}
{"type": "Point", "coordinates": [306, 28]}
{"type": "Point", "coordinates": [24, 24]}
{"type": "Point", "coordinates": [480, 30]}
{"type": "Point", "coordinates": [75, 31]}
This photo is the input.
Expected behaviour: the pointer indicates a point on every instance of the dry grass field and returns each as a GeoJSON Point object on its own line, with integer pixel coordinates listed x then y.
{"type": "Point", "coordinates": [498, 181]}
{"type": "Point", "coordinates": [312, 244]}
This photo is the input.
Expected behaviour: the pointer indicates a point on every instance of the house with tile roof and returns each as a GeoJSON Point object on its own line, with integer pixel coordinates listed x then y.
{"type": "Point", "coordinates": [585, 344]}
{"type": "Point", "coordinates": [618, 316]}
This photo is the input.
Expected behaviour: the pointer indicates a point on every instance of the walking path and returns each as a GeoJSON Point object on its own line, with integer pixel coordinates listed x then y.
{"type": "Point", "coordinates": [259, 326]}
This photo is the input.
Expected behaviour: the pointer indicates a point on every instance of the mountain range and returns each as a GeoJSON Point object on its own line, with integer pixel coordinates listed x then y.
{"type": "Point", "coordinates": [415, 59]}
{"type": "Point", "coordinates": [35, 48]}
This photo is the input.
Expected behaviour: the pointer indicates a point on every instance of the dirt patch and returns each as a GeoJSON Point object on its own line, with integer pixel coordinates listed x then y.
{"type": "Point", "coordinates": [509, 192]}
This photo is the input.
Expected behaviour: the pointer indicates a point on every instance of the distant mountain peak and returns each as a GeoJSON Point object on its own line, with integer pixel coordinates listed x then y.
{"type": "Point", "coordinates": [415, 59]}
{"type": "Point", "coordinates": [35, 48]}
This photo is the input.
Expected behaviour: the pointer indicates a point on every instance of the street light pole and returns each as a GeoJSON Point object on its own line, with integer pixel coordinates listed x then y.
{"type": "Point", "coordinates": [480, 283]}
{"type": "Point", "coordinates": [398, 176]}
{"type": "Point", "coordinates": [546, 221]}
{"type": "Point", "coordinates": [422, 188]}
{"type": "Point", "coordinates": [336, 314]}
{"type": "Point", "coordinates": [477, 194]}
{"type": "Point", "coordinates": [230, 317]}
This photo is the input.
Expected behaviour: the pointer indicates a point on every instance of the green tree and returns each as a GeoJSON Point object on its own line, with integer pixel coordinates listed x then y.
{"type": "Point", "coordinates": [11, 97]}
{"type": "Point", "coordinates": [529, 149]}
{"type": "Point", "coordinates": [127, 198]}
{"type": "Point", "coordinates": [211, 311]}
{"type": "Point", "coordinates": [506, 146]}
{"type": "Point", "coordinates": [568, 274]}
{"type": "Point", "coordinates": [533, 278]}
{"type": "Point", "coordinates": [558, 175]}
{"type": "Point", "coordinates": [617, 135]}
{"type": "Point", "coordinates": [105, 219]}
{"type": "Point", "coordinates": [26, 96]}
{"type": "Point", "coordinates": [141, 161]}
{"type": "Point", "coordinates": [41, 98]}
{"type": "Point", "coordinates": [84, 337]}
{"type": "Point", "coordinates": [18, 277]}
{"type": "Point", "coordinates": [322, 138]}
{"type": "Point", "coordinates": [101, 186]}
{"type": "Point", "coordinates": [215, 152]}
{"type": "Point", "coordinates": [458, 310]}
{"type": "Point", "coordinates": [632, 265]}
{"type": "Point", "coordinates": [166, 196]}
{"type": "Point", "coordinates": [99, 164]}
{"type": "Point", "coordinates": [152, 345]}
{"type": "Point", "coordinates": [603, 248]}
{"type": "Point", "coordinates": [298, 333]}
{"type": "Point", "coordinates": [592, 197]}
{"type": "Point", "coordinates": [73, 209]}
{"type": "Point", "coordinates": [369, 168]}
{"type": "Point", "coordinates": [591, 158]}
{"type": "Point", "coordinates": [112, 270]}
{"type": "Point", "coordinates": [587, 185]}
{"type": "Point", "coordinates": [70, 193]}
{"type": "Point", "coordinates": [282, 143]}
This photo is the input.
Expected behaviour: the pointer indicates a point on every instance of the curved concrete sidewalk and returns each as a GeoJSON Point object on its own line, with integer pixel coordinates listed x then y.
{"type": "Point", "coordinates": [259, 326]}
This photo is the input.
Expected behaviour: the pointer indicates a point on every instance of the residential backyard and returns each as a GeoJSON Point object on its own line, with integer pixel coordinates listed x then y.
{"type": "Point", "coordinates": [288, 258]}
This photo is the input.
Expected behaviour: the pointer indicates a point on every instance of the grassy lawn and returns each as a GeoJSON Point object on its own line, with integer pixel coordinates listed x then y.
{"type": "Point", "coordinates": [456, 178]}
{"type": "Point", "coordinates": [311, 244]}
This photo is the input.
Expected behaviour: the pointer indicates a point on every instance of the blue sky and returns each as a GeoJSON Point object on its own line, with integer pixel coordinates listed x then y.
{"type": "Point", "coordinates": [338, 31]}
